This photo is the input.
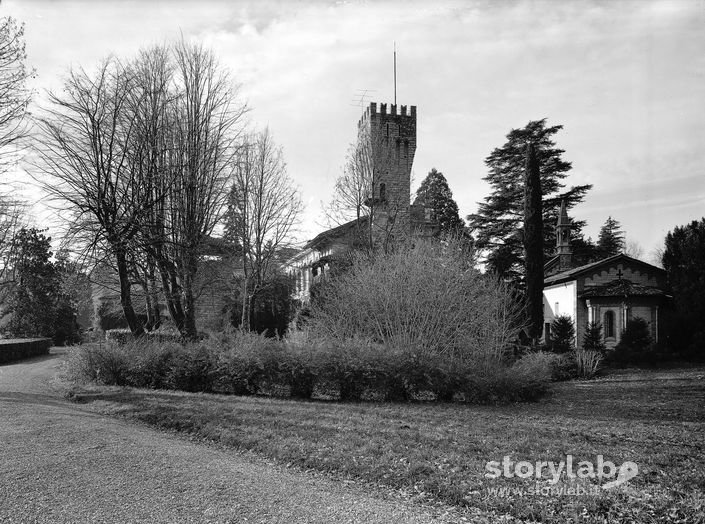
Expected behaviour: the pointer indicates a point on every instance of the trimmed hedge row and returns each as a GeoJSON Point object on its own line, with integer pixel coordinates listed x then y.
{"type": "Point", "coordinates": [350, 371]}
{"type": "Point", "coordinates": [124, 336]}
{"type": "Point", "coordinates": [21, 348]}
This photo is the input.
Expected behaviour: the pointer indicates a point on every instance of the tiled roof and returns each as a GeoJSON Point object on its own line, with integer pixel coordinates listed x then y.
{"type": "Point", "coordinates": [621, 288]}
{"type": "Point", "coordinates": [573, 273]}
{"type": "Point", "coordinates": [336, 232]}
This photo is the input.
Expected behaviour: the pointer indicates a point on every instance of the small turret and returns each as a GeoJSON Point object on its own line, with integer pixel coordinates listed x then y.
{"type": "Point", "coordinates": [563, 248]}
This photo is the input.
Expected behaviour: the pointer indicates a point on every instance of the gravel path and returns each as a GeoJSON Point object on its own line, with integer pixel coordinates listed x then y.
{"type": "Point", "coordinates": [62, 463]}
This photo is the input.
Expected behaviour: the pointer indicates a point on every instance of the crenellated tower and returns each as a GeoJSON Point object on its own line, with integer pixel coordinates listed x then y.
{"type": "Point", "coordinates": [389, 137]}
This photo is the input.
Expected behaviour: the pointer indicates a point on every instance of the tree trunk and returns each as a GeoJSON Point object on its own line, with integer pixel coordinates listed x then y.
{"type": "Point", "coordinates": [154, 294]}
{"type": "Point", "coordinates": [125, 295]}
{"type": "Point", "coordinates": [533, 243]}
{"type": "Point", "coordinates": [172, 295]}
{"type": "Point", "coordinates": [189, 327]}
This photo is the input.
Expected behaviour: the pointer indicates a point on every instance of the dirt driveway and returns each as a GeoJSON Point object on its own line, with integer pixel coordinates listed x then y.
{"type": "Point", "coordinates": [62, 463]}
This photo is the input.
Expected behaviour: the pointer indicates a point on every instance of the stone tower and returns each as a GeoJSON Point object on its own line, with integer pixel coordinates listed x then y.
{"type": "Point", "coordinates": [563, 249]}
{"type": "Point", "coordinates": [390, 138]}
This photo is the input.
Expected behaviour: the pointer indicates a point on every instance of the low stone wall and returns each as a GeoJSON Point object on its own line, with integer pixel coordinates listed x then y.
{"type": "Point", "coordinates": [21, 348]}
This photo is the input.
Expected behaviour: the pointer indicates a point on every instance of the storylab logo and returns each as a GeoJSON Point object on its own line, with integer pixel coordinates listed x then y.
{"type": "Point", "coordinates": [568, 469]}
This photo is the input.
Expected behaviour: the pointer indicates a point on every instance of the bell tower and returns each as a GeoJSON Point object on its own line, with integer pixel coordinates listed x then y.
{"type": "Point", "coordinates": [389, 137]}
{"type": "Point", "coordinates": [563, 248]}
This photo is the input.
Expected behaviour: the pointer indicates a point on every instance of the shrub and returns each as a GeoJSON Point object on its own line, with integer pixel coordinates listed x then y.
{"type": "Point", "coordinates": [593, 339]}
{"type": "Point", "coordinates": [350, 366]}
{"type": "Point", "coordinates": [250, 362]}
{"type": "Point", "coordinates": [526, 380]}
{"type": "Point", "coordinates": [425, 300]}
{"type": "Point", "coordinates": [635, 343]}
{"type": "Point", "coordinates": [119, 336]}
{"type": "Point", "coordinates": [106, 364]}
{"type": "Point", "coordinates": [588, 362]}
{"type": "Point", "coordinates": [562, 334]}
{"type": "Point", "coordinates": [193, 367]}
{"type": "Point", "coordinates": [299, 370]}
{"type": "Point", "coordinates": [565, 367]}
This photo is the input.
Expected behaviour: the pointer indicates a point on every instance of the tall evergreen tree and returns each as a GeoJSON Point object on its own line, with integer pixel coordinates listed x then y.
{"type": "Point", "coordinates": [611, 238]}
{"type": "Point", "coordinates": [37, 286]}
{"type": "Point", "coordinates": [533, 242]}
{"type": "Point", "coordinates": [435, 193]}
{"type": "Point", "coordinates": [497, 225]}
{"type": "Point", "coordinates": [683, 261]}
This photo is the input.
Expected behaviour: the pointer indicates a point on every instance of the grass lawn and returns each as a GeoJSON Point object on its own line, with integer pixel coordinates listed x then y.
{"type": "Point", "coordinates": [655, 419]}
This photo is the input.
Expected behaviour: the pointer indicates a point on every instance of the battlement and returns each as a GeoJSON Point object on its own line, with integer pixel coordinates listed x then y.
{"type": "Point", "coordinates": [387, 110]}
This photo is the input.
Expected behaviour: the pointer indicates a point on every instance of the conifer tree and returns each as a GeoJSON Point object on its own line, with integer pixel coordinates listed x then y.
{"type": "Point", "coordinates": [562, 333]}
{"type": "Point", "coordinates": [497, 225]}
{"type": "Point", "coordinates": [593, 339]}
{"type": "Point", "coordinates": [611, 239]}
{"type": "Point", "coordinates": [533, 242]}
{"type": "Point", "coordinates": [435, 193]}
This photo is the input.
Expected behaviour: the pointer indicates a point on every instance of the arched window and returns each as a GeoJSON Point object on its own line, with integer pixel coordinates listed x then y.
{"type": "Point", "coordinates": [609, 324]}
{"type": "Point", "coordinates": [383, 191]}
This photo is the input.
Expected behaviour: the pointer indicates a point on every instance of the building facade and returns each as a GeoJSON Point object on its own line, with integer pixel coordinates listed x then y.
{"type": "Point", "coordinates": [612, 291]}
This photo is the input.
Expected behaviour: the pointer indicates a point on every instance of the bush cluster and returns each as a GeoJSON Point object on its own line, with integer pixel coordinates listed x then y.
{"type": "Point", "coordinates": [248, 364]}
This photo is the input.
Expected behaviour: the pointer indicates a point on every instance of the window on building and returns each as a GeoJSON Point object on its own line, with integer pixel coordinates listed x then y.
{"type": "Point", "coordinates": [608, 324]}
{"type": "Point", "coordinates": [383, 191]}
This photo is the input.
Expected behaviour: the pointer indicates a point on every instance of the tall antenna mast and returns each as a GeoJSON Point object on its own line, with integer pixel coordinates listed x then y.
{"type": "Point", "coordinates": [395, 72]}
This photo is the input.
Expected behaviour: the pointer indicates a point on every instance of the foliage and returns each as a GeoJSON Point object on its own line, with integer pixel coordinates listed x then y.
{"type": "Point", "coordinates": [683, 261]}
{"type": "Point", "coordinates": [498, 222]}
{"type": "Point", "coordinates": [427, 299]}
{"type": "Point", "coordinates": [564, 367]}
{"type": "Point", "coordinates": [611, 238]}
{"type": "Point", "coordinates": [38, 303]}
{"type": "Point", "coordinates": [242, 363]}
{"type": "Point", "coordinates": [562, 334]}
{"type": "Point", "coordinates": [593, 339]}
{"type": "Point", "coordinates": [271, 308]}
{"type": "Point", "coordinates": [434, 193]}
{"type": "Point", "coordinates": [533, 243]}
{"type": "Point", "coordinates": [584, 250]}
{"type": "Point", "coordinates": [634, 344]}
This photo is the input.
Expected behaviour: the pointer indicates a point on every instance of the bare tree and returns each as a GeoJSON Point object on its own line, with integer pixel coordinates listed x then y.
{"type": "Point", "coordinates": [358, 195]}
{"type": "Point", "coordinates": [633, 249]}
{"type": "Point", "coordinates": [208, 121]}
{"type": "Point", "coordinates": [83, 154]}
{"type": "Point", "coordinates": [14, 95]}
{"type": "Point", "coordinates": [264, 206]}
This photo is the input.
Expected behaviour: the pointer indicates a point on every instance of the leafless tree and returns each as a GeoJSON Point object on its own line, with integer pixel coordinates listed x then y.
{"type": "Point", "coordinates": [83, 162]}
{"type": "Point", "coordinates": [264, 206]}
{"type": "Point", "coordinates": [357, 195]}
{"type": "Point", "coordinates": [633, 249]}
{"type": "Point", "coordinates": [207, 123]}
{"type": "Point", "coordinates": [14, 95]}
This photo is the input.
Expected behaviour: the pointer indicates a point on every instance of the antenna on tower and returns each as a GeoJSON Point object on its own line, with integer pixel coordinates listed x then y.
{"type": "Point", "coordinates": [395, 72]}
{"type": "Point", "coordinates": [361, 96]}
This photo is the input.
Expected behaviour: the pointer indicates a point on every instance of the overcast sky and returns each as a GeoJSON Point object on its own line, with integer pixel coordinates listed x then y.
{"type": "Point", "coordinates": [625, 79]}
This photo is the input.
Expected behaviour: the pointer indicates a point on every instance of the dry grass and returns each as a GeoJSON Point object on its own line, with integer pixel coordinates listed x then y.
{"type": "Point", "coordinates": [655, 419]}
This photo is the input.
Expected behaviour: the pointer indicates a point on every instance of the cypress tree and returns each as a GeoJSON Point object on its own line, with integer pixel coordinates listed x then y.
{"type": "Point", "coordinates": [533, 242]}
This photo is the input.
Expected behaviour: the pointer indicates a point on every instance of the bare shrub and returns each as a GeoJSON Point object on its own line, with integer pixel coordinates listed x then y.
{"type": "Point", "coordinates": [427, 299]}
{"type": "Point", "coordinates": [588, 362]}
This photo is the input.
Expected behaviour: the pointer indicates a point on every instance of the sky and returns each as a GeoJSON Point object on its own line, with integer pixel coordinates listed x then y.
{"type": "Point", "coordinates": [625, 79]}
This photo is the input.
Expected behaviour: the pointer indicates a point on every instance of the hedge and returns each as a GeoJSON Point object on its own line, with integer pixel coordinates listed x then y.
{"type": "Point", "coordinates": [21, 348]}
